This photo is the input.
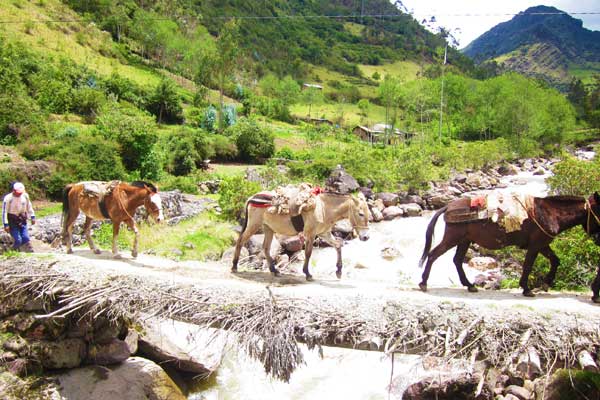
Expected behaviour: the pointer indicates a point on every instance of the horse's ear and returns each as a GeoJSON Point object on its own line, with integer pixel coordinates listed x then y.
{"type": "Point", "coordinates": [597, 197]}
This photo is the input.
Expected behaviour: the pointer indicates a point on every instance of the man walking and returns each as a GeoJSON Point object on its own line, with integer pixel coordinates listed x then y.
{"type": "Point", "coordinates": [16, 210]}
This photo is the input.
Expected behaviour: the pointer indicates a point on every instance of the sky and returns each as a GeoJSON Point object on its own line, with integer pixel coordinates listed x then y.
{"type": "Point", "coordinates": [485, 14]}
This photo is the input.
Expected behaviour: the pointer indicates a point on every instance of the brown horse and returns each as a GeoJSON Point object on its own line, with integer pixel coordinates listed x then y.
{"type": "Point", "coordinates": [118, 204]}
{"type": "Point", "coordinates": [549, 217]}
{"type": "Point", "coordinates": [316, 222]}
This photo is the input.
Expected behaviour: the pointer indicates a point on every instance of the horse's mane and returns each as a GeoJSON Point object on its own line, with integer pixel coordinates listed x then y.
{"type": "Point", "coordinates": [142, 184]}
{"type": "Point", "coordinates": [565, 198]}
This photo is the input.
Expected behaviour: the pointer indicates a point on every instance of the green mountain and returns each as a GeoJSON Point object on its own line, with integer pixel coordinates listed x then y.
{"type": "Point", "coordinates": [541, 42]}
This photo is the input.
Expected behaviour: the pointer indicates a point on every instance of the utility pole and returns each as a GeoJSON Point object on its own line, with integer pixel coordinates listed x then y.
{"type": "Point", "coordinates": [442, 94]}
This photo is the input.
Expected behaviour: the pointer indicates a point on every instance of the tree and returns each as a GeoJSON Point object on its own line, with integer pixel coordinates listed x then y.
{"type": "Point", "coordinates": [227, 52]}
{"type": "Point", "coordinates": [165, 103]}
{"type": "Point", "coordinates": [390, 93]}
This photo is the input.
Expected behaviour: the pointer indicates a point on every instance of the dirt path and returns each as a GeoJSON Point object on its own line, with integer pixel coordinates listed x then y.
{"type": "Point", "coordinates": [357, 284]}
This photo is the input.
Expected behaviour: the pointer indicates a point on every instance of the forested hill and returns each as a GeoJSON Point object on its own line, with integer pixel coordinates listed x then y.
{"type": "Point", "coordinates": [278, 36]}
{"type": "Point", "coordinates": [543, 42]}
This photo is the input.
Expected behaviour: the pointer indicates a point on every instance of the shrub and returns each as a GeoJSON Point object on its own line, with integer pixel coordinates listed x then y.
{"type": "Point", "coordinates": [234, 191]}
{"type": "Point", "coordinates": [135, 132]}
{"type": "Point", "coordinates": [254, 143]}
{"type": "Point", "coordinates": [209, 119]}
{"type": "Point", "coordinates": [88, 101]}
{"type": "Point", "coordinates": [224, 148]}
{"type": "Point", "coordinates": [575, 177]}
{"type": "Point", "coordinates": [165, 103]}
{"type": "Point", "coordinates": [187, 148]}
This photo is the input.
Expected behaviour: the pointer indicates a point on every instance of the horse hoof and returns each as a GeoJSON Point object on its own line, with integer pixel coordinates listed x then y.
{"type": "Point", "coordinates": [97, 251]}
{"type": "Point", "coordinates": [528, 293]}
{"type": "Point", "coordinates": [545, 287]}
{"type": "Point", "coordinates": [69, 251]}
{"type": "Point", "coordinates": [117, 256]}
{"type": "Point", "coordinates": [423, 287]}
{"type": "Point", "coordinates": [309, 278]}
{"type": "Point", "coordinates": [472, 289]}
{"type": "Point", "coordinates": [596, 299]}
{"type": "Point", "coordinates": [276, 273]}
{"type": "Point", "coordinates": [338, 274]}
{"type": "Point", "coordinates": [234, 270]}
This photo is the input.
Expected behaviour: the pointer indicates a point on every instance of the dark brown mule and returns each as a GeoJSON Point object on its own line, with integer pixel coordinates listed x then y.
{"type": "Point", "coordinates": [551, 216]}
{"type": "Point", "coordinates": [119, 205]}
{"type": "Point", "coordinates": [596, 283]}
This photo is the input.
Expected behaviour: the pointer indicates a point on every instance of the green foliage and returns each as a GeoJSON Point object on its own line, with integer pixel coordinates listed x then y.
{"type": "Point", "coordinates": [575, 177]}
{"type": "Point", "coordinates": [224, 149]}
{"type": "Point", "coordinates": [134, 131]}
{"type": "Point", "coordinates": [187, 184]}
{"type": "Point", "coordinates": [88, 101]}
{"type": "Point", "coordinates": [254, 143]}
{"type": "Point", "coordinates": [165, 103]}
{"type": "Point", "coordinates": [209, 119]}
{"type": "Point", "coordinates": [187, 148]}
{"type": "Point", "coordinates": [573, 384]}
{"type": "Point", "coordinates": [233, 193]}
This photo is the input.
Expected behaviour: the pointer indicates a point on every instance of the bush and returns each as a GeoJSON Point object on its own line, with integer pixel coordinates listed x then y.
{"type": "Point", "coordinates": [165, 103]}
{"type": "Point", "coordinates": [224, 148]}
{"type": "Point", "coordinates": [234, 191]}
{"type": "Point", "coordinates": [254, 143]}
{"type": "Point", "coordinates": [135, 132]}
{"type": "Point", "coordinates": [88, 101]}
{"type": "Point", "coordinates": [209, 119]}
{"type": "Point", "coordinates": [575, 177]}
{"type": "Point", "coordinates": [187, 149]}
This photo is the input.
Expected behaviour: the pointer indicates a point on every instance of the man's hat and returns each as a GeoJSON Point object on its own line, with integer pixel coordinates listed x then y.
{"type": "Point", "coordinates": [18, 187]}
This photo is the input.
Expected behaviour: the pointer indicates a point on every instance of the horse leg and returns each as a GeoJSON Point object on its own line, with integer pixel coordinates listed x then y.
{"type": "Point", "coordinates": [267, 250]}
{"type": "Point", "coordinates": [310, 239]}
{"type": "Point", "coordinates": [527, 266]}
{"type": "Point", "coordinates": [136, 239]}
{"type": "Point", "coordinates": [68, 230]}
{"type": "Point", "coordinates": [459, 257]}
{"type": "Point", "coordinates": [115, 250]}
{"type": "Point", "coordinates": [87, 227]}
{"type": "Point", "coordinates": [554, 263]}
{"type": "Point", "coordinates": [440, 249]}
{"type": "Point", "coordinates": [242, 239]}
{"type": "Point", "coordinates": [596, 287]}
{"type": "Point", "coordinates": [337, 244]}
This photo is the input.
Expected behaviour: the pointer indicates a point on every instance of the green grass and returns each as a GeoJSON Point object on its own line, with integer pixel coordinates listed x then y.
{"type": "Point", "coordinates": [203, 237]}
{"type": "Point", "coordinates": [348, 112]}
{"type": "Point", "coordinates": [48, 209]}
{"type": "Point", "coordinates": [406, 70]}
{"type": "Point", "coordinates": [231, 169]}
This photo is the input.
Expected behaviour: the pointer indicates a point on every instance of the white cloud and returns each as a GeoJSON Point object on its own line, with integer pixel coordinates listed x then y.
{"type": "Point", "coordinates": [472, 18]}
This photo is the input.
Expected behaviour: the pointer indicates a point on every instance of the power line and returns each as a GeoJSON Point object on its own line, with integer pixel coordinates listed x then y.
{"type": "Point", "coordinates": [340, 16]}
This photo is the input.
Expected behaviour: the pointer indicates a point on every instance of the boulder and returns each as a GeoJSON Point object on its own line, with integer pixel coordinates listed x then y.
{"type": "Point", "coordinates": [392, 212]}
{"type": "Point", "coordinates": [343, 229]}
{"type": "Point", "coordinates": [507, 169]}
{"type": "Point", "coordinates": [448, 388]}
{"type": "Point", "coordinates": [113, 352]}
{"type": "Point", "coordinates": [376, 215]}
{"type": "Point", "coordinates": [292, 244]}
{"type": "Point", "coordinates": [411, 209]}
{"type": "Point", "coordinates": [227, 256]}
{"type": "Point", "coordinates": [255, 245]}
{"type": "Point", "coordinates": [483, 263]}
{"type": "Point", "coordinates": [66, 353]}
{"type": "Point", "coordinates": [340, 181]}
{"type": "Point", "coordinates": [155, 345]}
{"type": "Point", "coordinates": [134, 379]}
{"type": "Point", "coordinates": [390, 253]}
{"type": "Point", "coordinates": [388, 199]}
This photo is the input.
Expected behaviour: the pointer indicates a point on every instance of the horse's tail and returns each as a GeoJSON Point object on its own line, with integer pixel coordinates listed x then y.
{"type": "Point", "coordinates": [65, 207]}
{"type": "Point", "coordinates": [429, 235]}
{"type": "Point", "coordinates": [246, 217]}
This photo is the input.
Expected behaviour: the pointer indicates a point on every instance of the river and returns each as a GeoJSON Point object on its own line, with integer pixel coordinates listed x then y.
{"type": "Point", "coordinates": [344, 373]}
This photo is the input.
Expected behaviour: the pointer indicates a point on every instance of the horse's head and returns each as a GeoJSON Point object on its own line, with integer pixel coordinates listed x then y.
{"type": "Point", "coordinates": [153, 203]}
{"type": "Point", "coordinates": [592, 223]}
{"type": "Point", "coordinates": [359, 216]}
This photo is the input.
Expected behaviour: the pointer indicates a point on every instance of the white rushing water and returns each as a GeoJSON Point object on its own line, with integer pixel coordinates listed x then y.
{"type": "Point", "coordinates": [353, 374]}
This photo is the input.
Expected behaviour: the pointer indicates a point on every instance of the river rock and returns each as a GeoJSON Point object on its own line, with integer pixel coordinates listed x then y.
{"type": "Point", "coordinates": [520, 392]}
{"type": "Point", "coordinates": [376, 215]}
{"type": "Point", "coordinates": [483, 263]}
{"type": "Point", "coordinates": [390, 253]}
{"type": "Point", "coordinates": [111, 353]}
{"type": "Point", "coordinates": [388, 199]}
{"type": "Point", "coordinates": [411, 209]}
{"type": "Point", "coordinates": [340, 181]}
{"type": "Point", "coordinates": [507, 169]}
{"type": "Point", "coordinates": [134, 379]}
{"type": "Point", "coordinates": [411, 198]}
{"type": "Point", "coordinates": [292, 244]}
{"type": "Point", "coordinates": [156, 346]}
{"type": "Point", "coordinates": [343, 229]}
{"type": "Point", "coordinates": [66, 353]}
{"type": "Point", "coordinates": [447, 388]}
{"type": "Point", "coordinates": [392, 212]}
{"type": "Point", "coordinates": [255, 245]}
